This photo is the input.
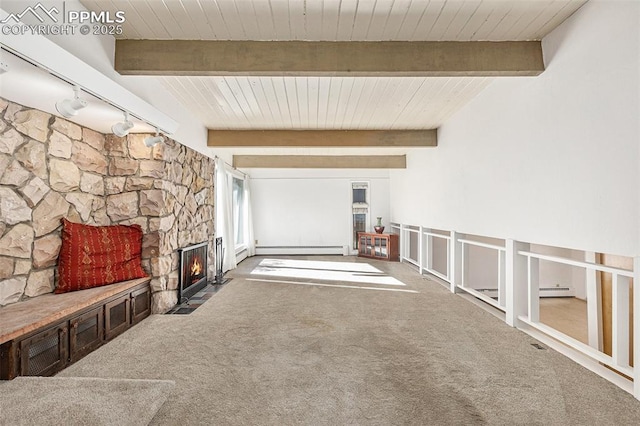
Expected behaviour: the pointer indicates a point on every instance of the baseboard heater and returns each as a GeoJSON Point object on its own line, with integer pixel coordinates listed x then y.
{"type": "Point", "coordinates": [544, 292]}
{"type": "Point", "coordinates": [293, 250]}
{"type": "Point", "coordinates": [556, 292]}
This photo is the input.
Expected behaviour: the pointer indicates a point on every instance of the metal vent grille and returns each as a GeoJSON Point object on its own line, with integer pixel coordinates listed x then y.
{"type": "Point", "coordinates": [43, 354]}
{"type": "Point", "coordinates": [118, 315]}
{"type": "Point", "coordinates": [141, 303]}
{"type": "Point", "coordinates": [87, 332]}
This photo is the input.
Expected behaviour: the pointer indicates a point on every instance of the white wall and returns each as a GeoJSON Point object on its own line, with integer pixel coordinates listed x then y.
{"type": "Point", "coordinates": [552, 159]}
{"type": "Point", "coordinates": [311, 207]}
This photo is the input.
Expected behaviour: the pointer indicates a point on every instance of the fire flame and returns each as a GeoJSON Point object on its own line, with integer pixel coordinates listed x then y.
{"type": "Point", "coordinates": [196, 267]}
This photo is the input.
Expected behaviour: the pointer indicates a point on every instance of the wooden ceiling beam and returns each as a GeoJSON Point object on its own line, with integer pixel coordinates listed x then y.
{"type": "Point", "coordinates": [320, 161]}
{"type": "Point", "coordinates": [322, 138]}
{"type": "Point", "coordinates": [329, 58]}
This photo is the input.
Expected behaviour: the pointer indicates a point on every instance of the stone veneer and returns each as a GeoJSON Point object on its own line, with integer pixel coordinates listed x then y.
{"type": "Point", "coordinates": [51, 168]}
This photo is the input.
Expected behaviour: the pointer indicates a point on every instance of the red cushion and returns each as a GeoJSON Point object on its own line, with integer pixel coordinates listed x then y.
{"type": "Point", "coordinates": [93, 256]}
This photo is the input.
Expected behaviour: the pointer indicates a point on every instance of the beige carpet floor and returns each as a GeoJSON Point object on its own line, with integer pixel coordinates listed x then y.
{"type": "Point", "coordinates": [279, 353]}
{"type": "Point", "coordinates": [73, 401]}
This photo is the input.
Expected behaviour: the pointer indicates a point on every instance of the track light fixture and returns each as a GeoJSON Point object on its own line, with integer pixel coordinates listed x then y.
{"type": "Point", "coordinates": [121, 129]}
{"type": "Point", "coordinates": [153, 140]}
{"type": "Point", "coordinates": [70, 107]}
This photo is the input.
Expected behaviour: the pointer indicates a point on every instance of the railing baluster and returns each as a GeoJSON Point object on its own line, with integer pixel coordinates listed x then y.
{"type": "Point", "coordinates": [420, 249]}
{"type": "Point", "coordinates": [636, 327]}
{"type": "Point", "coordinates": [449, 259]}
{"type": "Point", "coordinates": [516, 279]}
{"type": "Point", "coordinates": [620, 320]}
{"type": "Point", "coordinates": [501, 278]}
{"type": "Point", "coordinates": [455, 259]}
{"type": "Point", "coordinates": [534, 289]}
{"type": "Point", "coordinates": [594, 303]}
{"type": "Point", "coordinates": [402, 243]}
{"type": "Point", "coordinates": [463, 263]}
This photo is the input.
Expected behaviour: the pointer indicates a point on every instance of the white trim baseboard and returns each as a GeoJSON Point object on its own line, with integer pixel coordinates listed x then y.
{"type": "Point", "coordinates": [298, 250]}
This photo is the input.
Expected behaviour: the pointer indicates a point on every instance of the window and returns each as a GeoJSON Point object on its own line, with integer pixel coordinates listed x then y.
{"type": "Point", "coordinates": [359, 195]}
{"type": "Point", "coordinates": [359, 225]}
{"type": "Point", "coordinates": [359, 209]}
{"type": "Point", "coordinates": [238, 207]}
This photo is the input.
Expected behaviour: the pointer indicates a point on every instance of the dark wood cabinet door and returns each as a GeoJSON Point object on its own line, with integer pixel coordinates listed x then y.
{"type": "Point", "coordinates": [362, 244]}
{"type": "Point", "coordinates": [140, 304]}
{"type": "Point", "coordinates": [86, 333]}
{"type": "Point", "coordinates": [9, 362]}
{"type": "Point", "coordinates": [117, 316]}
{"type": "Point", "coordinates": [44, 353]}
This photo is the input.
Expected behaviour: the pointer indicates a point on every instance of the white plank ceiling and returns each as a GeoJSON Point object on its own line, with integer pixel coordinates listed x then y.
{"type": "Point", "coordinates": [435, 20]}
{"type": "Point", "coordinates": [323, 102]}
{"type": "Point", "coordinates": [332, 102]}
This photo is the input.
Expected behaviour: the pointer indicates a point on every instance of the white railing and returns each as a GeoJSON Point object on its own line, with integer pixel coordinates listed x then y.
{"type": "Point", "coordinates": [427, 261]}
{"type": "Point", "coordinates": [501, 302]}
{"type": "Point", "coordinates": [405, 246]}
{"type": "Point", "coordinates": [518, 295]}
{"type": "Point", "coordinates": [621, 279]}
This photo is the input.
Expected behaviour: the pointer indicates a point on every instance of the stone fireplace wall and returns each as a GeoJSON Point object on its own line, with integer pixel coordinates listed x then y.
{"type": "Point", "coordinates": [187, 217]}
{"type": "Point", "coordinates": [51, 168]}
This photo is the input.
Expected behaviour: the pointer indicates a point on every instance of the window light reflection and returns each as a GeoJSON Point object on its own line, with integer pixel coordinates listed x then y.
{"type": "Point", "coordinates": [326, 271]}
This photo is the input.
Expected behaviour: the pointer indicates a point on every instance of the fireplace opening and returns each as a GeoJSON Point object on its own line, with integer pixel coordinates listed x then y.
{"type": "Point", "coordinates": [193, 270]}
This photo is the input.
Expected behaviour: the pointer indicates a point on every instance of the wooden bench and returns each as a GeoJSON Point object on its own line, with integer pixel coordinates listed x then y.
{"type": "Point", "coordinates": [41, 336]}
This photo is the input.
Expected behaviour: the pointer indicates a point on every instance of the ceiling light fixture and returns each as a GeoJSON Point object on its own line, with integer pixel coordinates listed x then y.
{"type": "Point", "coordinates": [121, 129]}
{"type": "Point", "coordinates": [70, 107]}
{"type": "Point", "coordinates": [153, 140]}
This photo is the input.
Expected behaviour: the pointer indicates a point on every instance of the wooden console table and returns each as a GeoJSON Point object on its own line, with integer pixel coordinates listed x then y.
{"type": "Point", "coordinates": [378, 246]}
